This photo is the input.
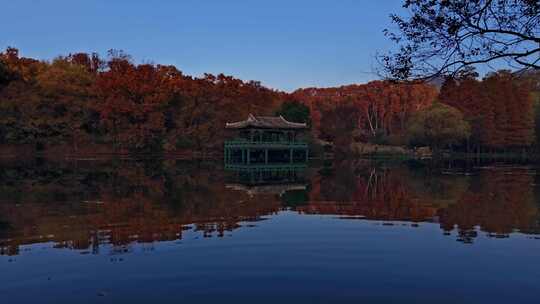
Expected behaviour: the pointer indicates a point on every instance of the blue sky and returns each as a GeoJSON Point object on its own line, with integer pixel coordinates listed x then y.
{"type": "Point", "coordinates": [284, 44]}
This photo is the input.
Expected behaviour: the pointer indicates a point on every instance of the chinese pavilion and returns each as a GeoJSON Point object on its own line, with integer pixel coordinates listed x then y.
{"type": "Point", "coordinates": [265, 140]}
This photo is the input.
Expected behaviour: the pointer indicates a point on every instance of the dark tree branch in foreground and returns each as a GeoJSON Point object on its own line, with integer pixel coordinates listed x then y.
{"type": "Point", "coordinates": [442, 37]}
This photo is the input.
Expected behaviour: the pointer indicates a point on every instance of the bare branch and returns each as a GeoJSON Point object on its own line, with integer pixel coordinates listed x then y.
{"type": "Point", "coordinates": [441, 37]}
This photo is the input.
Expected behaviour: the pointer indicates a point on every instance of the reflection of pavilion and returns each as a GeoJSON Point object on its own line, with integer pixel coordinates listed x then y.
{"type": "Point", "coordinates": [267, 178]}
{"type": "Point", "coordinates": [267, 189]}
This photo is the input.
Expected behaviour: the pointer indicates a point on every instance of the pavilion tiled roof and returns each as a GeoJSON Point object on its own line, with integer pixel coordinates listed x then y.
{"type": "Point", "coordinates": [267, 122]}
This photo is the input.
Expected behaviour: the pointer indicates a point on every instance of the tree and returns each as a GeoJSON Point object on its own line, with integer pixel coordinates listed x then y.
{"type": "Point", "coordinates": [443, 37]}
{"type": "Point", "coordinates": [5, 75]}
{"type": "Point", "coordinates": [19, 99]}
{"type": "Point", "coordinates": [137, 107]}
{"type": "Point", "coordinates": [499, 108]}
{"type": "Point", "coordinates": [202, 106]}
{"type": "Point", "coordinates": [294, 111]}
{"type": "Point", "coordinates": [510, 101]}
{"type": "Point", "coordinates": [338, 125]}
{"type": "Point", "coordinates": [67, 101]}
{"type": "Point", "coordinates": [383, 106]}
{"type": "Point", "coordinates": [92, 63]}
{"type": "Point", "coordinates": [132, 99]}
{"type": "Point", "coordinates": [466, 94]}
{"type": "Point", "coordinates": [438, 126]}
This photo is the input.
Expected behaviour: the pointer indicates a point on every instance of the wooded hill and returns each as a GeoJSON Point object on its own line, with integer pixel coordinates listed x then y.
{"type": "Point", "coordinates": [83, 102]}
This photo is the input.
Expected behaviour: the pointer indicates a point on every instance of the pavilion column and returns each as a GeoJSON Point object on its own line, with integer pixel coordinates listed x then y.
{"type": "Point", "coordinates": [248, 156]}
{"type": "Point", "coordinates": [243, 157]}
{"type": "Point", "coordinates": [307, 154]}
{"type": "Point", "coordinates": [266, 156]}
{"type": "Point", "coordinates": [291, 155]}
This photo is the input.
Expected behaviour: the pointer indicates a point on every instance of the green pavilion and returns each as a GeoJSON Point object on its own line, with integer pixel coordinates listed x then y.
{"type": "Point", "coordinates": [266, 141]}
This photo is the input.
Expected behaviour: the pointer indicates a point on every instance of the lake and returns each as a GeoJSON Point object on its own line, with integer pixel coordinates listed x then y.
{"type": "Point", "coordinates": [348, 232]}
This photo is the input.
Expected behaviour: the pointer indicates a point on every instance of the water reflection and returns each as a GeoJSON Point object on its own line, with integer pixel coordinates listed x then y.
{"type": "Point", "coordinates": [495, 200]}
{"type": "Point", "coordinates": [87, 205]}
{"type": "Point", "coordinates": [276, 179]}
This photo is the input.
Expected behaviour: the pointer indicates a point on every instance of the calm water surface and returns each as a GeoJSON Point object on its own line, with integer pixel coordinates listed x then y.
{"type": "Point", "coordinates": [173, 232]}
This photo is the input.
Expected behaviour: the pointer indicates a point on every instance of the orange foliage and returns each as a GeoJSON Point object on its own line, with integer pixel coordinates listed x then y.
{"type": "Point", "coordinates": [499, 109]}
{"type": "Point", "coordinates": [383, 106]}
{"type": "Point", "coordinates": [81, 99]}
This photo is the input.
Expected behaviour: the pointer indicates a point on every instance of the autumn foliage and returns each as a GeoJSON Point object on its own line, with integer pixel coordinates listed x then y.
{"type": "Point", "coordinates": [499, 109]}
{"type": "Point", "coordinates": [83, 100]}
{"type": "Point", "coordinates": [376, 112]}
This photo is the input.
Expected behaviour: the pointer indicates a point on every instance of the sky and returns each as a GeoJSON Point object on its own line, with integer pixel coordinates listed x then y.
{"type": "Point", "coordinates": [285, 44]}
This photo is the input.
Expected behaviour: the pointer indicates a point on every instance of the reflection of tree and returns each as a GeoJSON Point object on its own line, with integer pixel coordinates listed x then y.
{"type": "Point", "coordinates": [432, 186]}
{"type": "Point", "coordinates": [339, 185]}
{"type": "Point", "coordinates": [368, 192]}
{"type": "Point", "coordinates": [295, 198]}
{"type": "Point", "coordinates": [88, 206]}
{"type": "Point", "coordinates": [501, 202]}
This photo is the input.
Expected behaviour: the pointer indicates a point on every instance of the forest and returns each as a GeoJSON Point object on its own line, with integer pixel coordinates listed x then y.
{"type": "Point", "coordinates": [85, 103]}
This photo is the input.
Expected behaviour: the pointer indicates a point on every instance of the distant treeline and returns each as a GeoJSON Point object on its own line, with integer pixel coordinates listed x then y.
{"type": "Point", "coordinates": [84, 100]}
{"type": "Point", "coordinates": [498, 113]}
